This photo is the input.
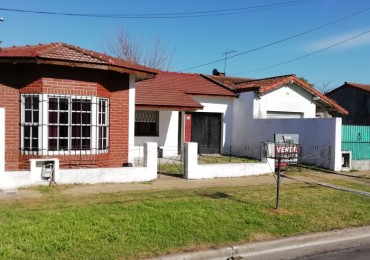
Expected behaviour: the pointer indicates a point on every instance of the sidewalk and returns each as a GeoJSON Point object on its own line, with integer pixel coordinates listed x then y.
{"type": "Point", "coordinates": [284, 248]}
{"type": "Point", "coordinates": [165, 182]}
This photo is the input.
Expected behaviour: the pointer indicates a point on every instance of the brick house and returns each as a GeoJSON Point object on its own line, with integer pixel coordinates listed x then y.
{"type": "Point", "coordinates": [65, 102]}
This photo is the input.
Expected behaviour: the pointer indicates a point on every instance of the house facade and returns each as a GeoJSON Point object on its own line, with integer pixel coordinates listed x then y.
{"type": "Point", "coordinates": [231, 122]}
{"type": "Point", "coordinates": [65, 102]}
{"type": "Point", "coordinates": [183, 107]}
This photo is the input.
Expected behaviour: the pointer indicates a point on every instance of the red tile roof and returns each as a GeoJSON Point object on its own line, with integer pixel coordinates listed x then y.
{"type": "Point", "coordinates": [228, 81]}
{"type": "Point", "coordinates": [269, 84]}
{"type": "Point", "coordinates": [68, 53]}
{"type": "Point", "coordinates": [171, 89]}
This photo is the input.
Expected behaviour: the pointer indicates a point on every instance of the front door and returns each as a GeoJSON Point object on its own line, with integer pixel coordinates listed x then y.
{"type": "Point", "coordinates": [206, 131]}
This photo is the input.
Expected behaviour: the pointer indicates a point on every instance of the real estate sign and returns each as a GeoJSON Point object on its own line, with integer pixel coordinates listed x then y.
{"type": "Point", "coordinates": [287, 148]}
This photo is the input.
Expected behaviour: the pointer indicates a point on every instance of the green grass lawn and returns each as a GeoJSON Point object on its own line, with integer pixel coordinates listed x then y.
{"type": "Point", "coordinates": [142, 224]}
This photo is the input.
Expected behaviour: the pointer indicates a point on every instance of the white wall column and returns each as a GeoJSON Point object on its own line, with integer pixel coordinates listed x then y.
{"type": "Point", "coordinates": [131, 119]}
{"type": "Point", "coordinates": [150, 156]}
{"type": "Point", "coordinates": [337, 155]}
{"type": "Point", "coordinates": [2, 140]}
{"type": "Point", "coordinates": [190, 160]}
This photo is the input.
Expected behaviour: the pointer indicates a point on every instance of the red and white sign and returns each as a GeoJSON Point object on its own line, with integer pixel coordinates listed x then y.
{"type": "Point", "coordinates": [287, 153]}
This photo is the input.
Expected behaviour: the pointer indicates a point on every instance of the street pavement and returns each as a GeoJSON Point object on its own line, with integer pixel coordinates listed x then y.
{"type": "Point", "coordinates": [353, 243]}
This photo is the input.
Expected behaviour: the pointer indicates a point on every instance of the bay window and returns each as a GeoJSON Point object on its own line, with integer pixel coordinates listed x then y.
{"type": "Point", "coordinates": [60, 124]}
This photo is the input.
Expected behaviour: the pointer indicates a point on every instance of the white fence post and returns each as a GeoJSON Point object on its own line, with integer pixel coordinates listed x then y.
{"type": "Point", "coordinates": [2, 140]}
{"type": "Point", "coordinates": [150, 156]}
{"type": "Point", "coordinates": [190, 160]}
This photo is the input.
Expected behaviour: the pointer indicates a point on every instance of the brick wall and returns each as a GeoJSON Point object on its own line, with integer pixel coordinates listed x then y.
{"type": "Point", "coordinates": [9, 99]}
{"type": "Point", "coordinates": [18, 79]}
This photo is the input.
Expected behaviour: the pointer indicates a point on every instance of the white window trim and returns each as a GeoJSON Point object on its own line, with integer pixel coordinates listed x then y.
{"type": "Point", "coordinates": [43, 135]}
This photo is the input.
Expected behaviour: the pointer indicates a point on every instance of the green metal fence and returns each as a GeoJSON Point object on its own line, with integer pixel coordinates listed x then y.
{"type": "Point", "coordinates": [356, 138]}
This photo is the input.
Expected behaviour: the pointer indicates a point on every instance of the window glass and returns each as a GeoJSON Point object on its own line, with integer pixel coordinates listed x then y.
{"type": "Point", "coordinates": [66, 120]}
{"type": "Point", "coordinates": [146, 123]}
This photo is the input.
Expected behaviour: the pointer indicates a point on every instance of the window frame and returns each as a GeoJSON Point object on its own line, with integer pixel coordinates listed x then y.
{"type": "Point", "coordinates": [44, 124]}
{"type": "Point", "coordinates": [146, 121]}
{"type": "Point", "coordinates": [284, 115]}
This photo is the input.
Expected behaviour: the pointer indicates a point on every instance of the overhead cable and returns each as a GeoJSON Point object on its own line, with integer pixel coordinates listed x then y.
{"type": "Point", "coordinates": [281, 40]}
{"type": "Point", "coordinates": [307, 55]}
{"type": "Point", "coordinates": [220, 12]}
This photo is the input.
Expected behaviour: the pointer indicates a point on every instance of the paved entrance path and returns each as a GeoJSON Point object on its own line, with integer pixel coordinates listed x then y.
{"type": "Point", "coordinates": [165, 182]}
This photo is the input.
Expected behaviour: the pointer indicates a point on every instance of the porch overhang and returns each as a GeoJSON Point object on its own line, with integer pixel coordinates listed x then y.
{"type": "Point", "coordinates": [169, 107]}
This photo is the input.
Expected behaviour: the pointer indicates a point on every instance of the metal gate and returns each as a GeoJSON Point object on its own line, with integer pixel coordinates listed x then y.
{"type": "Point", "coordinates": [206, 131]}
{"type": "Point", "coordinates": [171, 161]}
{"type": "Point", "coordinates": [356, 139]}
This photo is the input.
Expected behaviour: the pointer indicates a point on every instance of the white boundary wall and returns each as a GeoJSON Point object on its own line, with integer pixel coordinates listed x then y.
{"type": "Point", "coordinates": [193, 170]}
{"type": "Point", "coordinates": [11, 180]}
{"type": "Point", "coordinates": [319, 137]}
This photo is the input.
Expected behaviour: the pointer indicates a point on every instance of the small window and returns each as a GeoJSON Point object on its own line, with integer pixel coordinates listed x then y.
{"type": "Point", "coordinates": [283, 115]}
{"type": "Point", "coordinates": [103, 124]}
{"type": "Point", "coordinates": [146, 123]}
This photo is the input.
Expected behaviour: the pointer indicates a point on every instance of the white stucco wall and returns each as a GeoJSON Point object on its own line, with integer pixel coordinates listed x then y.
{"type": "Point", "coordinates": [289, 98]}
{"type": "Point", "coordinates": [168, 134]}
{"type": "Point", "coordinates": [223, 105]}
{"type": "Point", "coordinates": [131, 117]}
{"type": "Point", "coordinates": [193, 170]}
{"type": "Point", "coordinates": [13, 179]}
{"type": "Point", "coordinates": [320, 137]}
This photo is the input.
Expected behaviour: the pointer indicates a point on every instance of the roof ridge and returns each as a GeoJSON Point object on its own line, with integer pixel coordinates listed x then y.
{"type": "Point", "coordinates": [275, 77]}
{"type": "Point", "coordinates": [178, 73]}
{"type": "Point", "coordinates": [92, 54]}
{"type": "Point", "coordinates": [49, 47]}
{"type": "Point", "coordinates": [353, 83]}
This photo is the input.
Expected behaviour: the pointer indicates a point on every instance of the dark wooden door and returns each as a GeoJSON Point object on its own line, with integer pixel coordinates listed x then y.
{"type": "Point", "coordinates": [206, 131]}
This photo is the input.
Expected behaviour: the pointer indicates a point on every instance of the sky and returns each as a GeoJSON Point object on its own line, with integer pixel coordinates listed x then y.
{"type": "Point", "coordinates": [326, 42]}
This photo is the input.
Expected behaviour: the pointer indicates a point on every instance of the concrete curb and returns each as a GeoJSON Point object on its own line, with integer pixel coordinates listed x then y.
{"type": "Point", "coordinates": [282, 248]}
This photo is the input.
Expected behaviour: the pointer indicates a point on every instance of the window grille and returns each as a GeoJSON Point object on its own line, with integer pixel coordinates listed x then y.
{"type": "Point", "coordinates": [64, 124]}
{"type": "Point", "coordinates": [146, 123]}
{"type": "Point", "coordinates": [30, 122]}
{"type": "Point", "coordinates": [103, 124]}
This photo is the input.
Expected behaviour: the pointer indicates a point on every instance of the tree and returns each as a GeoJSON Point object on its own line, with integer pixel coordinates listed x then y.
{"type": "Point", "coordinates": [126, 47]}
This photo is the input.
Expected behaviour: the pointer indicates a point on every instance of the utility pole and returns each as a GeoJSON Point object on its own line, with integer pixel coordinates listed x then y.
{"type": "Point", "coordinates": [227, 53]}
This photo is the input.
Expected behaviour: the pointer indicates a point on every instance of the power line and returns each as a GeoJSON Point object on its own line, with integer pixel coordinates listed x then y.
{"type": "Point", "coordinates": [307, 55]}
{"type": "Point", "coordinates": [282, 40]}
{"type": "Point", "coordinates": [232, 11]}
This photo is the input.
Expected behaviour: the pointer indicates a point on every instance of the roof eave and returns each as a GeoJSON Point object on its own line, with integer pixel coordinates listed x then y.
{"type": "Point", "coordinates": [139, 74]}
{"type": "Point", "coordinates": [168, 107]}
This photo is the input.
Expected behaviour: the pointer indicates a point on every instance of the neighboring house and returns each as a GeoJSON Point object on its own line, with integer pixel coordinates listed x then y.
{"type": "Point", "coordinates": [69, 103]}
{"type": "Point", "coordinates": [176, 107]}
{"type": "Point", "coordinates": [356, 125]}
{"type": "Point", "coordinates": [356, 99]}
{"type": "Point", "coordinates": [218, 112]}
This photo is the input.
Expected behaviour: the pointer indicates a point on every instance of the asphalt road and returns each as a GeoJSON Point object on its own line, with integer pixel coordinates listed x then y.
{"type": "Point", "coordinates": [351, 243]}
{"type": "Point", "coordinates": [355, 253]}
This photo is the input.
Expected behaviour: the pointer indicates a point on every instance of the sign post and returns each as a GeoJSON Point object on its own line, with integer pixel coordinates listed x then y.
{"type": "Point", "coordinates": [285, 151]}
